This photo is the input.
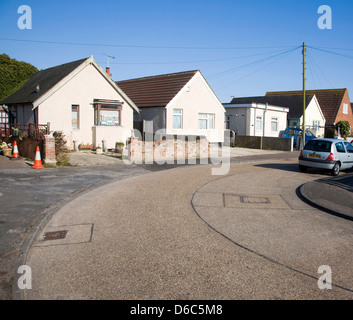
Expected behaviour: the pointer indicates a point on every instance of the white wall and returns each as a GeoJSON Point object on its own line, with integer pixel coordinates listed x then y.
{"type": "Point", "coordinates": [243, 119]}
{"type": "Point", "coordinates": [313, 112]}
{"type": "Point", "coordinates": [87, 85]}
{"type": "Point", "coordinates": [266, 122]}
{"type": "Point", "coordinates": [197, 97]}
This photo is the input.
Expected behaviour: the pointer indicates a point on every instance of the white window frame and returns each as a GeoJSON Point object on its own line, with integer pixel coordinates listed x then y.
{"type": "Point", "coordinates": [345, 108]}
{"type": "Point", "coordinates": [316, 125]}
{"type": "Point", "coordinates": [258, 123]}
{"type": "Point", "coordinates": [178, 113]}
{"type": "Point", "coordinates": [210, 120]}
{"type": "Point", "coordinates": [274, 120]}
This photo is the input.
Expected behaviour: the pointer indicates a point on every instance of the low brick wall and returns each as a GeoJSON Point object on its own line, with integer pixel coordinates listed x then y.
{"type": "Point", "coordinates": [267, 143]}
{"type": "Point", "coordinates": [169, 149]}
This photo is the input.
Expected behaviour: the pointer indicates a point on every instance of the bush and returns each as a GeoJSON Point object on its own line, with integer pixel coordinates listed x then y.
{"type": "Point", "coordinates": [345, 128]}
{"type": "Point", "coordinates": [61, 149]}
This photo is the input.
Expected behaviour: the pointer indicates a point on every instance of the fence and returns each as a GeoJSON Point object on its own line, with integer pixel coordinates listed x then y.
{"type": "Point", "coordinates": [267, 143]}
{"type": "Point", "coordinates": [31, 130]}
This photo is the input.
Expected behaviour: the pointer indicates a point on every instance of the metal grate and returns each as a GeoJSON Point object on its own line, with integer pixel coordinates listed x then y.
{"type": "Point", "coordinates": [55, 235]}
{"type": "Point", "coordinates": [247, 199]}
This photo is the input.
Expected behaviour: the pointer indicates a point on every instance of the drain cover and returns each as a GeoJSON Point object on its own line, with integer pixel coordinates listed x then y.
{"type": "Point", "coordinates": [247, 199]}
{"type": "Point", "coordinates": [55, 235]}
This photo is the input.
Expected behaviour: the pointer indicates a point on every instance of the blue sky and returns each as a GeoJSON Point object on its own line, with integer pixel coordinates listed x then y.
{"type": "Point", "coordinates": [243, 48]}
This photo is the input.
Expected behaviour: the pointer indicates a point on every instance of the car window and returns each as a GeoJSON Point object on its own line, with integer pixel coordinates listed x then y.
{"type": "Point", "coordinates": [349, 147]}
{"type": "Point", "coordinates": [318, 145]}
{"type": "Point", "coordinates": [309, 133]}
{"type": "Point", "coordinates": [340, 148]}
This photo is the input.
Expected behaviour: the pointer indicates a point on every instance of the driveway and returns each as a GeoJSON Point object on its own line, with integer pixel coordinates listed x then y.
{"type": "Point", "coordinates": [190, 235]}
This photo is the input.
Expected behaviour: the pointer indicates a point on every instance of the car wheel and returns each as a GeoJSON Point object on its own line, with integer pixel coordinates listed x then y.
{"type": "Point", "coordinates": [302, 168]}
{"type": "Point", "coordinates": [336, 169]}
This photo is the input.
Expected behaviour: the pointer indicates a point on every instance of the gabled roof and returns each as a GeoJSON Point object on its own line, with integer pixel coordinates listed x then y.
{"type": "Point", "coordinates": [45, 79]}
{"type": "Point", "coordinates": [293, 102]}
{"type": "Point", "coordinates": [50, 80]}
{"type": "Point", "coordinates": [155, 91]}
{"type": "Point", "coordinates": [329, 100]}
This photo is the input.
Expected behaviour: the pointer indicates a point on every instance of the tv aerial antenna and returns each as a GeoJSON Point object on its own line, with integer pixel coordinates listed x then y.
{"type": "Point", "coordinates": [109, 57]}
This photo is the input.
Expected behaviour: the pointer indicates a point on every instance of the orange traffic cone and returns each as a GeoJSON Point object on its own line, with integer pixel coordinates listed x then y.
{"type": "Point", "coordinates": [15, 154]}
{"type": "Point", "coordinates": [37, 160]}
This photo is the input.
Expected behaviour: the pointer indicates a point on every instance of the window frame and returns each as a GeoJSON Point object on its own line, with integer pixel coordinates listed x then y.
{"type": "Point", "coordinates": [98, 107]}
{"type": "Point", "coordinates": [345, 108]}
{"type": "Point", "coordinates": [77, 111]}
{"type": "Point", "coordinates": [275, 120]}
{"type": "Point", "coordinates": [179, 116]}
{"type": "Point", "coordinates": [258, 123]}
{"type": "Point", "coordinates": [210, 119]}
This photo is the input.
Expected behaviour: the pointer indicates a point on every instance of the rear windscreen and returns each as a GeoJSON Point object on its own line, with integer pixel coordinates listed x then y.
{"type": "Point", "coordinates": [318, 145]}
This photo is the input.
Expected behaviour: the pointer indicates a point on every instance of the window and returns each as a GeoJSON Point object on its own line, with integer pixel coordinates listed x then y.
{"type": "Point", "coordinates": [107, 115]}
{"type": "Point", "coordinates": [258, 124]}
{"type": "Point", "coordinates": [316, 125]}
{"type": "Point", "coordinates": [75, 117]}
{"type": "Point", "coordinates": [177, 118]}
{"type": "Point", "coordinates": [345, 108]}
{"type": "Point", "coordinates": [349, 147]}
{"type": "Point", "coordinates": [274, 124]}
{"type": "Point", "coordinates": [340, 148]}
{"type": "Point", "coordinates": [206, 121]}
{"type": "Point", "coordinates": [318, 145]}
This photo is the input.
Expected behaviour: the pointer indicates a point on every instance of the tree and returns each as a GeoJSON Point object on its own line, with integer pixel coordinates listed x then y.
{"type": "Point", "coordinates": [13, 75]}
{"type": "Point", "coordinates": [344, 128]}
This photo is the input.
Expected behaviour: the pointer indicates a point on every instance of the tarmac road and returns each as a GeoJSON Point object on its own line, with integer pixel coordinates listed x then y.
{"type": "Point", "coordinates": [190, 235]}
{"type": "Point", "coordinates": [28, 197]}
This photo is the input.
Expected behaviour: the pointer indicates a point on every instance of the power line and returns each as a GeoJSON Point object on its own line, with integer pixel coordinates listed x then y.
{"type": "Point", "coordinates": [332, 52]}
{"type": "Point", "coordinates": [249, 74]}
{"type": "Point", "coordinates": [320, 70]}
{"type": "Point", "coordinates": [253, 63]}
{"type": "Point", "coordinates": [312, 70]}
{"type": "Point", "coordinates": [141, 46]}
{"type": "Point", "coordinates": [190, 61]}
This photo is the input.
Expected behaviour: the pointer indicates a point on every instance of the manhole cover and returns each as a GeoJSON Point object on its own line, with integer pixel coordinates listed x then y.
{"type": "Point", "coordinates": [55, 235]}
{"type": "Point", "coordinates": [247, 199]}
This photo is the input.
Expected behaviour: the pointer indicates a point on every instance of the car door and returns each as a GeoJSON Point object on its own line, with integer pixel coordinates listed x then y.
{"type": "Point", "coordinates": [343, 155]}
{"type": "Point", "coordinates": [349, 149]}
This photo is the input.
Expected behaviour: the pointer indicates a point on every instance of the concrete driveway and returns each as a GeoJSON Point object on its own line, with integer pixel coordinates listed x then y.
{"type": "Point", "coordinates": [185, 234]}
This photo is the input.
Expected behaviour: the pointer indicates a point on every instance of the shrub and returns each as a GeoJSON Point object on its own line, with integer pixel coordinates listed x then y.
{"type": "Point", "coordinates": [345, 128]}
{"type": "Point", "coordinates": [61, 149]}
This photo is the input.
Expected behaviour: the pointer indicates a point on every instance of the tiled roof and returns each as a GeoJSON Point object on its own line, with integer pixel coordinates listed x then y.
{"type": "Point", "coordinates": [155, 91]}
{"type": "Point", "coordinates": [293, 102]}
{"type": "Point", "coordinates": [45, 79]}
{"type": "Point", "coordinates": [329, 100]}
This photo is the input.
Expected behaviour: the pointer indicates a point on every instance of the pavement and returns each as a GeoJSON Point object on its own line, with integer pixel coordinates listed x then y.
{"type": "Point", "coordinates": [198, 235]}
{"type": "Point", "coordinates": [333, 194]}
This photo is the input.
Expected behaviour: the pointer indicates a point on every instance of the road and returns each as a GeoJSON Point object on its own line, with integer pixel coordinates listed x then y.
{"type": "Point", "coordinates": [185, 234]}
{"type": "Point", "coordinates": [28, 197]}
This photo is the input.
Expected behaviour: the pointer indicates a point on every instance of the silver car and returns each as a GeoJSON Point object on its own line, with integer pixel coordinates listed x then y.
{"type": "Point", "coordinates": [327, 154]}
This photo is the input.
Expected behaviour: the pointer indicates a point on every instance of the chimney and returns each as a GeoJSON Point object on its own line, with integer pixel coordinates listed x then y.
{"type": "Point", "coordinates": [107, 70]}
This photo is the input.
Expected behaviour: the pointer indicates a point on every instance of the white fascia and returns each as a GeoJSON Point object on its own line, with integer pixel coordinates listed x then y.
{"type": "Point", "coordinates": [72, 74]}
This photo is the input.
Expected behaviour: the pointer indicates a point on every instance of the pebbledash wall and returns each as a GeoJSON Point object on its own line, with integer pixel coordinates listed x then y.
{"type": "Point", "coordinates": [169, 149]}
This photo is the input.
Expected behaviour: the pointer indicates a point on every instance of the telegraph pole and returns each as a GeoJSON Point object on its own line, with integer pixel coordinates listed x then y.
{"type": "Point", "coordinates": [303, 138]}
